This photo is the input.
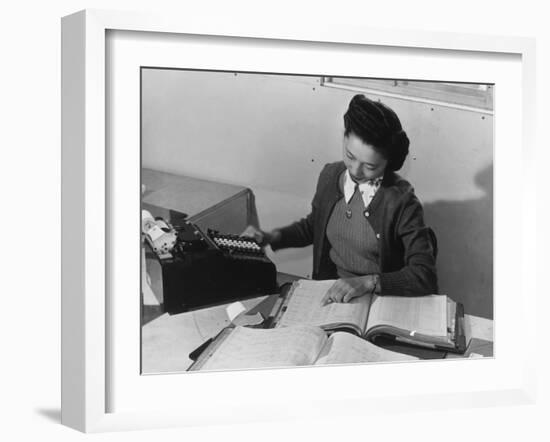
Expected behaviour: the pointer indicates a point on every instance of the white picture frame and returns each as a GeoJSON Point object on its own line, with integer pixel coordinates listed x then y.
{"type": "Point", "coordinates": [86, 316]}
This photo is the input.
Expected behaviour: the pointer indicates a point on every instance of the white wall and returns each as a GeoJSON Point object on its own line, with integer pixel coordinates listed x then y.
{"type": "Point", "coordinates": [274, 133]}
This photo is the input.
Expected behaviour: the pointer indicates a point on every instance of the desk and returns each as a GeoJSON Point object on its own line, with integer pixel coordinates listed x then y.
{"type": "Point", "coordinates": [168, 339]}
{"type": "Point", "coordinates": [219, 206]}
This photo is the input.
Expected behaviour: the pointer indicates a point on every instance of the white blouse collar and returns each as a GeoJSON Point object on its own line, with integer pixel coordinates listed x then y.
{"type": "Point", "coordinates": [367, 188]}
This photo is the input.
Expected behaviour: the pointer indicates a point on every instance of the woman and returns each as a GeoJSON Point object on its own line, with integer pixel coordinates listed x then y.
{"type": "Point", "coordinates": [366, 224]}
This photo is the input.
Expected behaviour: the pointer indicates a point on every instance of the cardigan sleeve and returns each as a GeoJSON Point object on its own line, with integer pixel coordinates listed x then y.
{"type": "Point", "coordinates": [418, 276]}
{"type": "Point", "coordinates": [297, 234]}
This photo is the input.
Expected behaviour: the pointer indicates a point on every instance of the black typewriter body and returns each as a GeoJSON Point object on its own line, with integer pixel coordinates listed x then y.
{"type": "Point", "coordinates": [211, 268]}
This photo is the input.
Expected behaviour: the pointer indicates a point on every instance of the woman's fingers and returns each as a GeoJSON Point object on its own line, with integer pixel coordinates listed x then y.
{"type": "Point", "coordinates": [330, 295]}
{"type": "Point", "coordinates": [250, 231]}
{"type": "Point", "coordinates": [253, 232]}
{"type": "Point", "coordinates": [350, 295]}
{"type": "Point", "coordinates": [336, 293]}
{"type": "Point", "coordinates": [343, 290]}
{"type": "Point", "coordinates": [326, 299]}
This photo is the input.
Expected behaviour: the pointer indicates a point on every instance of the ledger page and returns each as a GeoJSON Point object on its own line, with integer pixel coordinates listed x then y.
{"type": "Point", "coordinates": [271, 348]}
{"type": "Point", "coordinates": [420, 314]}
{"type": "Point", "coordinates": [304, 307]}
{"type": "Point", "coordinates": [345, 348]}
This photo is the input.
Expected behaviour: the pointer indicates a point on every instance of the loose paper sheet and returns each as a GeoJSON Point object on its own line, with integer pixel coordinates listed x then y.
{"type": "Point", "coordinates": [345, 348]}
{"type": "Point", "coordinates": [234, 309]}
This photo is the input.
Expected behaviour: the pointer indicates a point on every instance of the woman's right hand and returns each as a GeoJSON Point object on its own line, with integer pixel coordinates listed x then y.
{"type": "Point", "coordinates": [261, 237]}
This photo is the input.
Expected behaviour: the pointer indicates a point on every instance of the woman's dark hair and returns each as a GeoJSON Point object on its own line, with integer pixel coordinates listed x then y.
{"type": "Point", "coordinates": [377, 125]}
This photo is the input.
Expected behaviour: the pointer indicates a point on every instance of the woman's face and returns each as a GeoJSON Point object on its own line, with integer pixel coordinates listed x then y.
{"type": "Point", "coordinates": [362, 160]}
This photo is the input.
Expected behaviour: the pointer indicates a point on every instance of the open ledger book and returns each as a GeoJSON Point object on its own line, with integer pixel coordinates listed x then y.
{"type": "Point", "coordinates": [242, 347]}
{"type": "Point", "coordinates": [432, 321]}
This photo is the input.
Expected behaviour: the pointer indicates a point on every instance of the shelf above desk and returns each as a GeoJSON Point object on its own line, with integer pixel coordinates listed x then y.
{"type": "Point", "coordinates": [208, 204]}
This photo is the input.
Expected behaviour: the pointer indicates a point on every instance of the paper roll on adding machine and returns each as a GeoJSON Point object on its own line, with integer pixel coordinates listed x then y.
{"type": "Point", "coordinates": [200, 269]}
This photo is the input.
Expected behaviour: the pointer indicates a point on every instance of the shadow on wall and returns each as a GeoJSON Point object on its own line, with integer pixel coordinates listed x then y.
{"type": "Point", "coordinates": [464, 231]}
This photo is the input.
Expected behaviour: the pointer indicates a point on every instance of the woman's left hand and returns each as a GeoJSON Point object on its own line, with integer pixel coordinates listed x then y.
{"type": "Point", "coordinates": [344, 290]}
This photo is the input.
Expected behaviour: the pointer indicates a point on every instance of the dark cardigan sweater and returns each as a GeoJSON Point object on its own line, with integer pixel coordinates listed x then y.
{"type": "Point", "coordinates": [407, 247]}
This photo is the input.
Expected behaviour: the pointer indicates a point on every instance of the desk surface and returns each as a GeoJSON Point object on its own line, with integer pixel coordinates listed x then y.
{"type": "Point", "coordinates": [168, 339]}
